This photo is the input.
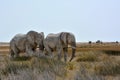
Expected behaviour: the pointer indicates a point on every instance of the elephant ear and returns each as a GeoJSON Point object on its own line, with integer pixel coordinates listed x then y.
{"type": "Point", "coordinates": [64, 37]}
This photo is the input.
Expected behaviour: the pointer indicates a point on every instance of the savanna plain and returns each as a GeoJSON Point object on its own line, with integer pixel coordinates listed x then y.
{"type": "Point", "coordinates": [93, 61]}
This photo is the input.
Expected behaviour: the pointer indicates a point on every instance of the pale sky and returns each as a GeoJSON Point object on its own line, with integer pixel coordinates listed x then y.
{"type": "Point", "coordinates": [88, 20]}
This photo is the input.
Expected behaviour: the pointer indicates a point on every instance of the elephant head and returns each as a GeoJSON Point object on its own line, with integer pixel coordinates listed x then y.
{"type": "Point", "coordinates": [31, 37]}
{"type": "Point", "coordinates": [36, 39]}
{"type": "Point", "coordinates": [68, 39]}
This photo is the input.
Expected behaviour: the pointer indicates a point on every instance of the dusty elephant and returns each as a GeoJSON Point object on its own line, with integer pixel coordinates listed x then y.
{"type": "Point", "coordinates": [60, 42]}
{"type": "Point", "coordinates": [26, 43]}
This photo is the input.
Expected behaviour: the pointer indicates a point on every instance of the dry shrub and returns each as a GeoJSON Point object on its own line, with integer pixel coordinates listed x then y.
{"type": "Point", "coordinates": [85, 74]}
{"type": "Point", "coordinates": [88, 56]}
{"type": "Point", "coordinates": [108, 67]}
{"type": "Point", "coordinates": [89, 71]}
{"type": "Point", "coordinates": [13, 67]}
{"type": "Point", "coordinates": [70, 66]}
{"type": "Point", "coordinates": [111, 52]}
{"type": "Point", "coordinates": [35, 69]}
{"type": "Point", "coordinates": [22, 58]}
{"type": "Point", "coordinates": [29, 74]}
{"type": "Point", "coordinates": [43, 63]}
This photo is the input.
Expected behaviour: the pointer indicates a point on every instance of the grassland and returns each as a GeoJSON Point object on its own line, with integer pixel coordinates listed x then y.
{"type": "Point", "coordinates": [92, 62]}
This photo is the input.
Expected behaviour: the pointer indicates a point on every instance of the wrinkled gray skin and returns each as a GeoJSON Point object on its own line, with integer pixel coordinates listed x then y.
{"type": "Point", "coordinates": [59, 42]}
{"type": "Point", "coordinates": [26, 43]}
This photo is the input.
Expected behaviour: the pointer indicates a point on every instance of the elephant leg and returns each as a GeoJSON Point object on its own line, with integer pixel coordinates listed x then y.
{"type": "Point", "coordinates": [59, 50]}
{"type": "Point", "coordinates": [41, 49]}
{"type": "Point", "coordinates": [49, 51]}
{"type": "Point", "coordinates": [29, 51]}
{"type": "Point", "coordinates": [65, 50]}
{"type": "Point", "coordinates": [16, 53]}
{"type": "Point", "coordinates": [11, 54]}
{"type": "Point", "coordinates": [35, 52]}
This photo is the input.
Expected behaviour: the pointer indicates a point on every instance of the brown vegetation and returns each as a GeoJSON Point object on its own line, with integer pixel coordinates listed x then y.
{"type": "Point", "coordinates": [92, 62]}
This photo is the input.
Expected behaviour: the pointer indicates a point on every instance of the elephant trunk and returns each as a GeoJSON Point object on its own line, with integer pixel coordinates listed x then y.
{"type": "Point", "coordinates": [73, 45]}
{"type": "Point", "coordinates": [41, 47]}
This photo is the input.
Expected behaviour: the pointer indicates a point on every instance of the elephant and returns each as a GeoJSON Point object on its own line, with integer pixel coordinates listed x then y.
{"type": "Point", "coordinates": [26, 43]}
{"type": "Point", "coordinates": [59, 42]}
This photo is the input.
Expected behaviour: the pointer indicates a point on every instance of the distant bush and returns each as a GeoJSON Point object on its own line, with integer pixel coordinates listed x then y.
{"type": "Point", "coordinates": [98, 41]}
{"type": "Point", "coordinates": [117, 42]}
{"type": "Point", "coordinates": [90, 42]}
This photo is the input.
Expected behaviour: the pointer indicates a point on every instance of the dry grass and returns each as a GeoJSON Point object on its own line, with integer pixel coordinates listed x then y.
{"type": "Point", "coordinates": [92, 62]}
{"type": "Point", "coordinates": [89, 65]}
{"type": "Point", "coordinates": [87, 56]}
{"type": "Point", "coordinates": [108, 67]}
{"type": "Point", "coordinates": [34, 69]}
